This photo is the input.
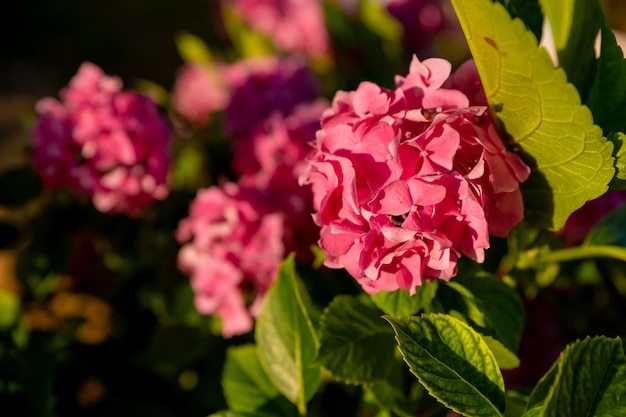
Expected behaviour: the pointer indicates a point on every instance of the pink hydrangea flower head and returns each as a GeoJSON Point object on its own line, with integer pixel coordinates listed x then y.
{"type": "Point", "coordinates": [264, 86]}
{"type": "Point", "coordinates": [99, 141]}
{"type": "Point", "coordinates": [199, 91]}
{"type": "Point", "coordinates": [232, 248]}
{"type": "Point", "coordinates": [293, 25]}
{"type": "Point", "coordinates": [407, 181]}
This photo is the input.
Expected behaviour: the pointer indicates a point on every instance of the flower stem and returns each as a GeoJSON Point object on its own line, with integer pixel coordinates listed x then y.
{"type": "Point", "coordinates": [583, 252]}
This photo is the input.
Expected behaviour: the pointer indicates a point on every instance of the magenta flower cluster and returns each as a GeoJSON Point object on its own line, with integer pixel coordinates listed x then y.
{"type": "Point", "coordinates": [102, 142]}
{"type": "Point", "coordinates": [408, 180]}
{"type": "Point", "coordinates": [237, 234]}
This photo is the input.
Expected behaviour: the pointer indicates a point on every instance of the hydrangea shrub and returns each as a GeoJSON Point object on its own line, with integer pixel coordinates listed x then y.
{"type": "Point", "coordinates": [359, 215]}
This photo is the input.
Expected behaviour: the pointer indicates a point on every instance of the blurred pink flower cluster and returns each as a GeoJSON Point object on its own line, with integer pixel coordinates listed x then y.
{"type": "Point", "coordinates": [405, 181]}
{"type": "Point", "coordinates": [234, 255]}
{"type": "Point", "coordinates": [293, 25]}
{"type": "Point", "coordinates": [237, 234]}
{"type": "Point", "coordinates": [199, 91]}
{"type": "Point", "coordinates": [100, 141]}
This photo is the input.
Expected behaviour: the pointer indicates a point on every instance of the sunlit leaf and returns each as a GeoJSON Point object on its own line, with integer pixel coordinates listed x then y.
{"type": "Point", "coordinates": [453, 362]}
{"type": "Point", "coordinates": [540, 111]}
{"type": "Point", "coordinates": [527, 10]}
{"type": "Point", "coordinates": [286, 339]}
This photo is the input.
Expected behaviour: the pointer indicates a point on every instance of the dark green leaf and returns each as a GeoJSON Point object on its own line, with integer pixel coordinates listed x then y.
{"type": "Point", "coordinates": [491, 306]}
{"type": "Point", "coordinates": [453, 362]}
{"type": "Point", "coordinates": [575, 25]}
{"type": "Point", "coordinates": [527, 10]}
{"type": "Point", "coordinates": [589, 379]}
{"type": "Point", "coordinates": [608, 98]}
{"type": "Point", "coordinates": [610, 229]}
{"type": "Point", "coordinates": [356, 344]}
{"type": "Point", "coordinates": [389, 397]}
{"type": "Point", "coordinates": [247, 387]}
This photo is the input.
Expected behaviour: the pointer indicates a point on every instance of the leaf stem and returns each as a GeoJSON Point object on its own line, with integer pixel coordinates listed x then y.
{"type": "Point", "coordinates": [582, 252]}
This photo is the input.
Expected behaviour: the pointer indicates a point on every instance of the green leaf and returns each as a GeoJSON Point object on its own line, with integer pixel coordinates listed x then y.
{"type": "Point", "coordinates": [535, 412]}
{"type": "Point", "coordinates": [9, 308]}
{"type": "Point", "coordinates": [356, 344]}
{"type": "Point", "coordinates": [192, 49]}
{"type": "Point", "coordinates": [610, 229]}
{"type": "Point", "coordinates": [575, 25]}
{"type": "Point", "coordinates": [453, 362]}
{"type": "Point", "coordinates": [400, 303]}
{"type": "Point", "coordinates": [247, 388]}
{"type": "Point", "coordinates": [543, 389]}
{"type": "Point", "coordinates": [541, 112]}
{"type": "Point", "coordinates": [389, 397]}
{"type": "Point", "coordinates": [608, 98]}
{"type": "Point", "coordinates": [619, 152]}
{"type": "Point", "coordinates": [527, 10]}
{"type": "Point", "coordinates": [589, 379]}
{"type": "Point", "coordinates": [375, 16]}
{"type": "Point", "coordinates": [504, 357]}
{"type": "Point", "coordinates": [490, 306]}
{"type": "Point", "coordinates": [247, 42]}
{"type": "Point", "coordinates": [286, 339]}
{"type": "Point", "coordinates": [515, 403]}
{"type": "Point", "coordinates": [18, 186]}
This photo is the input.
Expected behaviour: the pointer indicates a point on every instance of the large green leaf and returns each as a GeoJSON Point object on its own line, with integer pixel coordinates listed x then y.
{"type": "Point", "coordinates": [540, 111]}
{"type": "Point", "coordinates": [453, 362]}
{"type": "Point", "coordinates": [608, 98]}
{"type": "Point", "coordinates": [589, 379]}
{"type": "Point", "coordinates": [400, 303]}
{"type": "Point", "coordinates": [489, 305]}
{"type": "Point", "coordinates": [575, 25]}
{"type": "Point", "coordinates": [286, 339]}
{"type": "Point", "coordinates": [247, 388]}
{"type": "Point", "coordinates": [356, 344]}
{"type": "Point", "coordinates": [527, 10]}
